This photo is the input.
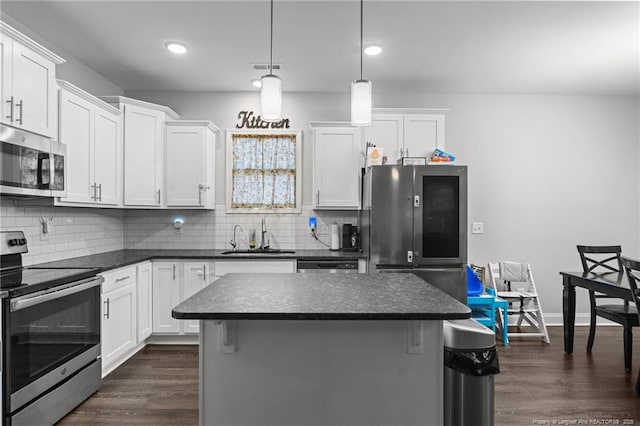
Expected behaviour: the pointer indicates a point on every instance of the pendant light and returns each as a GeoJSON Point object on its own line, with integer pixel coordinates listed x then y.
{"type": "Point", "coordinates": [361, 90]}
{"type": "Point", "coordinates": [271, 90]}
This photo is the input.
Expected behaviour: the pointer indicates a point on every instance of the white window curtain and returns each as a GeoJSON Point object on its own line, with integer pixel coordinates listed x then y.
{"type": "Point", "coordinates": [263, 171]}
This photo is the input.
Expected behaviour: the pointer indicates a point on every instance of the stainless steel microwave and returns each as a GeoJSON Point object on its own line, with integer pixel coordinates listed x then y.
{"type": "Point", "coordinates": [31, 164]}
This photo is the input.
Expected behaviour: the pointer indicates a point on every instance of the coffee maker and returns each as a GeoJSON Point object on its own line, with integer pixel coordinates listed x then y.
{"type": "Point", "coordinates": [350, 238]}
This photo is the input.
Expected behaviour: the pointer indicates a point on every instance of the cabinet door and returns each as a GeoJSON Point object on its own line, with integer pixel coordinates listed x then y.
{"type": "Point", "coordinates": [6, 65]}
{"type": "Point", "coordinates": [34, 91]}
{"type": "Point", "coordinates": [76, 131]}
{"type": "Point", "coordinates": [144, 318]}
{"type": "Point", "coordinates": [336, 168]}
{"type": "Point", "coordinates": [196, 277]}
{"type": "Point", "coordinates": [423, 133]}
{"type": "Point", "coordinates": [107, 137]}
{"type": "Point", "coordinates": [185, 165]}
{"type": "Point", "coordinates": [118, 323]}
{"type": "Point", "coordinates": [166, 295]}
{"type": "Point", "coordinates": [143, 140]}
{"type": "Point", "coordinates": [386, 131]}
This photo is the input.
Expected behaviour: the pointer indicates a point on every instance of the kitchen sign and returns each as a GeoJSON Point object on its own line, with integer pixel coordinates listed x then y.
{"type": "Point", "coordinates": [248, 120]}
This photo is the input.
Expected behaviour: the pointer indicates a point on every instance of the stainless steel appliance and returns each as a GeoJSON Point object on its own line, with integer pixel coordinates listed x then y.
{"type": "Point", "coordinates": [50, 334]}
{"type": "Point", "coordinates": [328, 266]}
{"type": "Point", "coordinates": [414, 219]}
{"type": "Point", "coordinates": [31, 164]}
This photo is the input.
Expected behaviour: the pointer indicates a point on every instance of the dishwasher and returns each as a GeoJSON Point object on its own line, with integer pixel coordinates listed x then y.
{"type": "Point", "coordinates": [328, 266]}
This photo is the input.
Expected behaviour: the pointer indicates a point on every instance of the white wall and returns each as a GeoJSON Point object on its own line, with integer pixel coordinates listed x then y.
{"type": "Point", "coordinates": [73, 70]}
{"type": "Point", "coordinates": [545, 172]}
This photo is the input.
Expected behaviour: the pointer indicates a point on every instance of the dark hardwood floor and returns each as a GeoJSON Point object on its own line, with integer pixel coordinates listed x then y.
{"type": "Point", "coordinates": [538, 383]}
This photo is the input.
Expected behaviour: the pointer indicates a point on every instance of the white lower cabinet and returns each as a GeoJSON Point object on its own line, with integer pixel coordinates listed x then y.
{"type": "Point", "coordinates": [174, 282]}
{"type": "Point", "coordinates": [144, 299]}
{"type": "Point", "coordinates": [196, 277]}
{"type": "Point", "coordinates": [119, 308]}
{"type": "Point", "coordinates": [166, 295]}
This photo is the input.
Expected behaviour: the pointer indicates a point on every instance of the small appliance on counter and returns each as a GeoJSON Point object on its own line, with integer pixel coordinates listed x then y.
{"type": "Point", "coordinates": [335, 237]}
{"type": "Point", "coordinates": [350, 237]}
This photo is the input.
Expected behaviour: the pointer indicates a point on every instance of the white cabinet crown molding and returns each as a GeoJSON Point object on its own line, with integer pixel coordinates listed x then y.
{"type": "Point", "coordinates": [136, 102]}
{"type": "Point", "coordinates": [9, 31]}
{"type": "Point", "coordinates": [205, 123]}
{"type": "Point", "coordinates": [88, 97]}
{"type": "Point", "coordinates": [320, 124]}
{"type": "Point", "coordinates": [410, 110]}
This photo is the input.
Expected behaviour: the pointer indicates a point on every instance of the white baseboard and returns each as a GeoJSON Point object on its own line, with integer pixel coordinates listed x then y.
{"type": "Point", "coordinates": [174, 339]}
{"type": "Point", "coordinates": [555, 319]}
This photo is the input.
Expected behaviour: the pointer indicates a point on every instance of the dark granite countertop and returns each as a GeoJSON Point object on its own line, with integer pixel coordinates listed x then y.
{"type": "Point", "coordinates": [120, 258]}
{"type": "Point", "coordinates": [389, 296]}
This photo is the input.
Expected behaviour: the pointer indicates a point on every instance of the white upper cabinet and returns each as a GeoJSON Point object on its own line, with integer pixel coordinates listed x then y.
{"type": "Point", "coordinates": [337, 162]}
{"type": "Point", "coordinates": [144, 141]}
{"type": "Point", "coordinates": [91, 130]}
{"type": "Point", "coordinates": [28, 81]}
{"type": "Point", "coordinates": [190, 164]}
{"type": "Point", "coordinates": [414, 132]}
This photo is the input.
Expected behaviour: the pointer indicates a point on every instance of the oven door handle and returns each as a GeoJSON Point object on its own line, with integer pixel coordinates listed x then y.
{"type": "Point", "coordinates": [51, 294]}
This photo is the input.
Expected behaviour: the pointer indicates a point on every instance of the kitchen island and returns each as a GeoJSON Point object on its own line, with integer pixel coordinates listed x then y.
{"type": "Point", "coordinates": [321, 349]}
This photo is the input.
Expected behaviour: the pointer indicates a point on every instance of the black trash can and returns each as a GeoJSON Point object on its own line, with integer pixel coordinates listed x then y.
{"type": "Point", "coordinates": [471, 361]}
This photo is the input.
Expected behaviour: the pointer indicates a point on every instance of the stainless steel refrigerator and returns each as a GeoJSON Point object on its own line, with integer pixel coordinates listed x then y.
{"type": "Point", "coordinates": [414, 219]}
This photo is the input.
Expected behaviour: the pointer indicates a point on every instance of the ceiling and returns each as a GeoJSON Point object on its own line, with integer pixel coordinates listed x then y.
{"type": "Point", "coordinates": [574, 47]}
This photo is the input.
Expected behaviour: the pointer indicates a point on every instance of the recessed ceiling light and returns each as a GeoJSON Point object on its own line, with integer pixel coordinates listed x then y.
{"type": "Point", "coordinates": [176, 47]}
{"type": "Point", "coordinates": [372, 50]}
{"type": "Point", "coordinates": [256, 83]}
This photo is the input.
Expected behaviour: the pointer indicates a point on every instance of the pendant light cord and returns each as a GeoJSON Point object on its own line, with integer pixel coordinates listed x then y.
{"type": "Point", "coordinates": [361, 33]}
{"type": "Point", "coordinates": [271, 47]}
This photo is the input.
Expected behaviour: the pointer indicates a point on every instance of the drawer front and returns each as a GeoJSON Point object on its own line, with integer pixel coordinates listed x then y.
{"type": "Point", "coordinates": [254, 266]}
{"type": "Point", "coordinates": [118, 278]}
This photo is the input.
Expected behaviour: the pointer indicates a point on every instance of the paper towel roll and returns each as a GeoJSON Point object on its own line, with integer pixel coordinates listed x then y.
{"type": "Point", "coordinates": [335, 237]}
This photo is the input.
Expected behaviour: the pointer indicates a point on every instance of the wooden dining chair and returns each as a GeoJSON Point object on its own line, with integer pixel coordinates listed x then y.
{"type": "Point", "coordinates": [632, 267]}
{"type": "Point", "coordinates": [606, 260]}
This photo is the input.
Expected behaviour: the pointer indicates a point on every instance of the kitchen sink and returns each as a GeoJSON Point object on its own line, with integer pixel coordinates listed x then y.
{"type": "Point", "coordinates": [258, 251]}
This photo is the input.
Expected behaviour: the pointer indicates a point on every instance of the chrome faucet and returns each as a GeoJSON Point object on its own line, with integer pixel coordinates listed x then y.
{"type": "Point", "coordinates": [234, 242]}
{"type": "Point", "coordinates": [263, 230]}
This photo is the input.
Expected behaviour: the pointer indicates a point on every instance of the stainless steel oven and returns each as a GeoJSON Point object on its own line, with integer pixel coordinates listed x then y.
{"type": "Point", "coordinates": [31, 164]}
{"type": "Point", "coordinates": [50, 337]}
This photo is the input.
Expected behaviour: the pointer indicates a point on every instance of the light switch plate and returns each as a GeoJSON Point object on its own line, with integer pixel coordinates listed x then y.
{"type": "Point", "coordinates": [477, 228]}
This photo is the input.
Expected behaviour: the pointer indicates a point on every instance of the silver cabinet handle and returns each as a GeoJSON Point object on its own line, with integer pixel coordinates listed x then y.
{"type": "Point", "coordinates": [10, 116]}
{"type": "Point", "coordinates": [318, 198]}
{"type": "Point", "coordinates": [20, 104]}
{"type": "Point", "coordinates": [204, 273]}
{"type": "Point", "coordinates": [122, 279]}
{"type": "Point", "coordinates": [174, 271]}
{"type": "Point", "coordinates": [93, 191]}
{"type": "Point", "coordinates": [158, 196]}
{"type": "Point", "coordinates": [106, 309]}
{"type": "Point", "coordinates": [99, 192]}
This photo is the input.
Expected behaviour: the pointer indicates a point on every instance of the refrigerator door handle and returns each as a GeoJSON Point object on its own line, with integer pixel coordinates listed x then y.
{"type": "Point", "coordinates": [416, 201]}
{"type": "Point", "coordinates": [410, 256]}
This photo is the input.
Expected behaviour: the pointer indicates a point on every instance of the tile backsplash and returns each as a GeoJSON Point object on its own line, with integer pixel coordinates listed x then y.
{"type": "Point", "coordinates": [73, 231]}
{"type": "Point", "coordinates": [214, 229]}
{"type": "Point", "coordinates": [82, 231]}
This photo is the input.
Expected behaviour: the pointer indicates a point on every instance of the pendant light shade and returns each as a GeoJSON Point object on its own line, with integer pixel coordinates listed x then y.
{"type": "Point", "coordinates": [361, 89]}
{"type": "Point", "coordinates": [271, 97]}
{"type": "Point", "coordinates": [361, 103]}
{"type": "Point", "coordinates": [271, 90]}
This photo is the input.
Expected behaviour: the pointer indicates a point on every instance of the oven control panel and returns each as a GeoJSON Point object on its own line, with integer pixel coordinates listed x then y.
{"type": "Point", "coordinates": [13, 242]}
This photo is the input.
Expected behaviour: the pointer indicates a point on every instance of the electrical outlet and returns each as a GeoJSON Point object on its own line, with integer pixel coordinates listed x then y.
{"type": "Point", "coordinates": [477, 228]}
